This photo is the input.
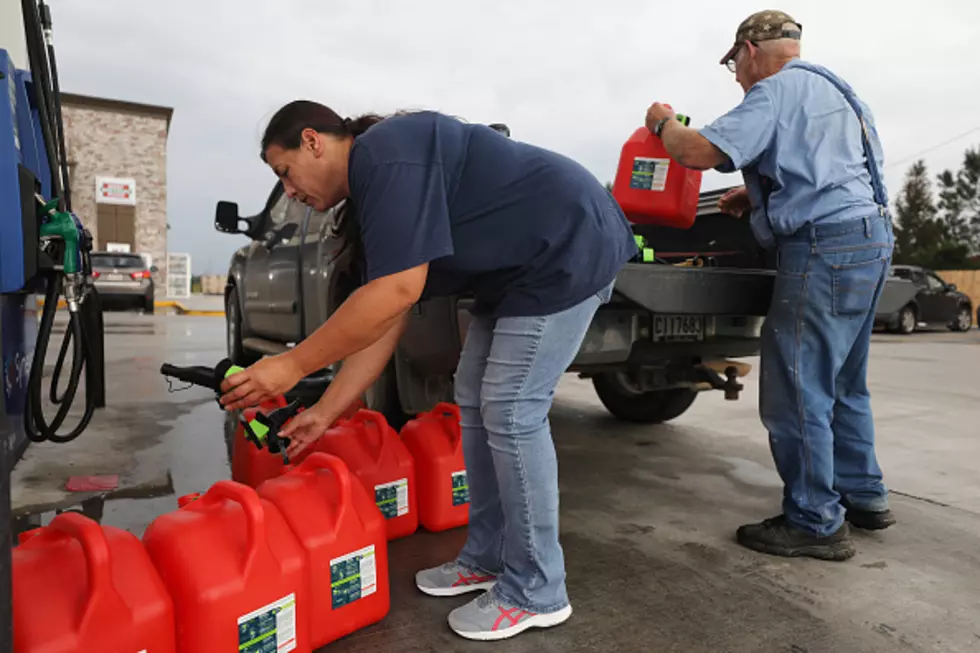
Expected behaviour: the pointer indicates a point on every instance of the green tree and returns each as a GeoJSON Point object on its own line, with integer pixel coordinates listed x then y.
{"type": "Point", "coordinates": [959, 202]}
{"type": "Point", "coordinates": [917, 233]}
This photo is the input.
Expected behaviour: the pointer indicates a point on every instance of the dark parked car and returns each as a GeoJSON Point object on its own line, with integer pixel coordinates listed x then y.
{"type": "Point", "coordinates": [934, 303]}
{"type": "Point", "coordinates": [123, 279]}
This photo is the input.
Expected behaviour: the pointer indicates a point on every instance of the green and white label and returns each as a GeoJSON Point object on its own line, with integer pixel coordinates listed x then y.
{"type": "Point", "coordinates": [649, 174]}
{"type": "Point", "coordinates": [270, 629]}
{"type": "Point", "coordinates": [461, 489]}
{"type": "Point", "coordinates": [392, 498]}
{"type": "Point", "coordinates": [353, 576]}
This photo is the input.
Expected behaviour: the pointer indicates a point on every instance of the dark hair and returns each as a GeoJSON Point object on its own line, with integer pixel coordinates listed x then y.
{"type": "Point", "coordinates": [285, 129]}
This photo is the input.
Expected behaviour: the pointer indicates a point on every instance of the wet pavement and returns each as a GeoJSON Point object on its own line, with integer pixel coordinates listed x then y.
{"type": "Point", "coordinates": [649, 512]}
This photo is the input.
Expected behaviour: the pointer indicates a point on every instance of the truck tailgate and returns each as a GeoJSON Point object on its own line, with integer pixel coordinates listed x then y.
{"type": "Point", "coordinates": [696, 291]}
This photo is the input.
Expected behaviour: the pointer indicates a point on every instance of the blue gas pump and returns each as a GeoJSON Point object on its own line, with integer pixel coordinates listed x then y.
{"type": "Point", "coordinates": [44, 250]}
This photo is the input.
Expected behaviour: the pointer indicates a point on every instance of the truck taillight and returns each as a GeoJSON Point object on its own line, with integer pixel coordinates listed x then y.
{"type": "Point", "coordinates": [145, 274]}
{"type": "Point", "coordinates": [95, 274]}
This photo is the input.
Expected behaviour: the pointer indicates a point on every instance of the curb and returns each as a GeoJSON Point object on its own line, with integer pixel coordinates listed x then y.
{"type": "Point", "coordinates": [179, 308]}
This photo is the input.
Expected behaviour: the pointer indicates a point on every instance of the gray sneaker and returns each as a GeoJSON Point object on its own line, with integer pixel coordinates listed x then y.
{"type": "Point", "coordinates": [488, 618]}
{"type": "Point", "coordinates": [452, 579]}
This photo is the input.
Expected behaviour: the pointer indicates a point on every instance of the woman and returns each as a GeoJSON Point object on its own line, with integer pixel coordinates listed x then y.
{"type": "Point", "coordinates": [442, 207]}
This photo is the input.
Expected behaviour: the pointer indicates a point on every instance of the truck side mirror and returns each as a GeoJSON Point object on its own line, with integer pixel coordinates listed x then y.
{"type": "Point", "coordinates": [226, 218]}
{"type": "Point", "coordinates": [501, 128]}
{"type": "Point", "coordinates": [951, 287]}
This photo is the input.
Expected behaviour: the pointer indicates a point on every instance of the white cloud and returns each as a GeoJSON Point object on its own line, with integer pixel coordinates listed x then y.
{"type": "Point", "coordinates": [574, 76]}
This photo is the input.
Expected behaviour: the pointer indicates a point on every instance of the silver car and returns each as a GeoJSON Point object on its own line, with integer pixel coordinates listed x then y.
{"type": "Point", "coordinates": [123, 280]}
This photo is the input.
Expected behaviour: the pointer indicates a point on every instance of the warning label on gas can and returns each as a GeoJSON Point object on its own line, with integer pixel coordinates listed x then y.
{"type": "Point", "coordinates": [270, 629]}
{"type": "Point", "coordinates": [649, 174]}
{"type": "Point", "coordinates": [353, 576]}
{"type": "Point", "coordinates": [461, 489]}
{"type": "Point", "coordinates": [392, 498]}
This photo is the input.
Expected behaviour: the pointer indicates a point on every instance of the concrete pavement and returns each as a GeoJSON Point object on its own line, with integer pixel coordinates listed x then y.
{"type": "Point", "coordinates": [649, 512]}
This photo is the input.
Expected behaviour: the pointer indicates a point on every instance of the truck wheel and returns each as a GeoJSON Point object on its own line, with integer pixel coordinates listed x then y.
{"type": "Point", "coordinates": [233, 331]}
{"type": "Point", "coordinates": [650, 407]}
{"type": "Point", "coordinates": [963, 321]}
{"type": "Point", "coordinates": [383, 398]}
{"type": "Point", "coordinates": [906, 322]}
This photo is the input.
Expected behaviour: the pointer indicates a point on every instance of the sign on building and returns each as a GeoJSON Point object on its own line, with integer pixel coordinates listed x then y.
{"type": "Point", "coordinates": [178, 275]}
{"type": "Point", "coordinates": [115, 190]}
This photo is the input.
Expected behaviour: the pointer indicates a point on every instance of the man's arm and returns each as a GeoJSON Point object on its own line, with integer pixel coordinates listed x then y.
{"type": "Point", "coordinates": [689, 148]}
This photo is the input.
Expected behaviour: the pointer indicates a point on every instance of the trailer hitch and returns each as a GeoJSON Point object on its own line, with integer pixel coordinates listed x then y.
{"type": "Point", "coordinates": [729, 383]}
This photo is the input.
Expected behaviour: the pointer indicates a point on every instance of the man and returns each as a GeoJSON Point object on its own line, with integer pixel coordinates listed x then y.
{"type": "Point", "coordinates": [811, 160]}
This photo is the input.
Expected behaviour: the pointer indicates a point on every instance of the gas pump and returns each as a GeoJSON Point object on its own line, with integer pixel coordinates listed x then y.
{"type": "Point", "coordinates": [44, 249]}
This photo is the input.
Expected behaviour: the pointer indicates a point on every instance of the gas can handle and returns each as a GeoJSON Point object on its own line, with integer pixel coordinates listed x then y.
{"type": "Point", "coordinates": [321, 460]}
{"type": "Point", "coordinates": [251, 505]}
{"type": "Point", "coordinates": [92, 539]}
{"type": "Point", "coordinates": [364, 416]}
{"type": "Point", "coordinates": [443, 410]}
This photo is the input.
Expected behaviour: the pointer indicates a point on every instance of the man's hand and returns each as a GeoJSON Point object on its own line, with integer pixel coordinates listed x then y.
{"type": "Point", "coordinates": [306, 428]}
{"type": "Point", "coordinates": [735, 202]}
{"type": "Point", "coordinates": [656, 113]}
{"type": "Point", "coordinates": [266, 379]}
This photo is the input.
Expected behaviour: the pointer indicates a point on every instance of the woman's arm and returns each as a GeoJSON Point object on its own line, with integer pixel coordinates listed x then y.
{"type": "Point", "coordinates": [360, 370]}
{"type": "Point", "coordinates": [363, 319]}
{"type": "Point", "coordinates": [357, 373]}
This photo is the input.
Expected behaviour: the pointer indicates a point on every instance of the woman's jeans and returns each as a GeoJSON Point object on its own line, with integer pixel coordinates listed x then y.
{"type": "Point", "coordinates": [814, 397]}
{"type": "Point", "coordinates": [505, 384]}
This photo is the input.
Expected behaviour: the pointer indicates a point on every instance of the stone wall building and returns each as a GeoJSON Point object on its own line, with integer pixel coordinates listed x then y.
{"type": "Point", "coordinates": [117, 161]}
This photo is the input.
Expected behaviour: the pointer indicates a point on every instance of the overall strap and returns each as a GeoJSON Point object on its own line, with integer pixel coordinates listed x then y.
{"type": "Point", "coordinates": [877, 186]}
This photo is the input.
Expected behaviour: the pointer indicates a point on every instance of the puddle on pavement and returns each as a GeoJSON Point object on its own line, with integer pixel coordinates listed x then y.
{"type": "Point", "coordinates": [195, 444]}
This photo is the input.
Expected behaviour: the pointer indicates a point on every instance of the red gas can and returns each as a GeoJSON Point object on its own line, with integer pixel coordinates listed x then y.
{"type": "Point", "coordinates": [79, 586]}
{"type": "Point", "coordinates": [434, 441]}
{"type": "Point", "coordinates": [249, 464]}
{"type": "Point", "coordinates": [376, 455]}
{"type": "Point", "coordinates": [236, 572]}
{"type": "Point", "coordinates": [252, 466]}
{"type": "Point", "coordinates": [651, 187]}
{"type": "Point", "coordinates": [344, 536]}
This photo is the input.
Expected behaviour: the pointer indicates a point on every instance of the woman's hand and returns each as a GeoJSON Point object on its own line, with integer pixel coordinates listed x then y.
{"type": "Point", "coordinates": [735, 202]}
{"type": "Point", "coordinates": [265, 380]}
{"type": "Point", "coordinates": [306, 428]}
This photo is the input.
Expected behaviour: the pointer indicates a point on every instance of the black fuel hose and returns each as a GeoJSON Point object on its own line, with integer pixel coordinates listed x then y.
{"type": "Point", "coordinates": [35, 426]}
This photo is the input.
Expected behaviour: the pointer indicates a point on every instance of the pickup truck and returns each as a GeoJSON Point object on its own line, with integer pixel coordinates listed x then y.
{"type": "Point", "coordinates": [671, 331]}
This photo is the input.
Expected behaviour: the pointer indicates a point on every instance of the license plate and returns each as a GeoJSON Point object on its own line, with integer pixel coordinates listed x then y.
{"type": "Point", "coordinates": [114, 277]}
{"type": "Point", "coordinates": [669, 328]}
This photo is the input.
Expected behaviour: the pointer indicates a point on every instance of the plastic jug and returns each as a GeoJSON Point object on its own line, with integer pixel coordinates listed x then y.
{"type": "Point", "coordinates": [376, 455]}
{"type": "Point", "coordinates": [436, 445]}
{"type": "Point", "coordinates": [79, 586]}
{"type": "Point", "coordinates": [653, 188]}
{"type": "Point", "coordinates": [252, 466]}
{"type": "Point", "coordinates": [236, 572]}
{"type": "Point", "coordinates": [249, 464]}
{"type": "Point", "coordinates": [344, 536]}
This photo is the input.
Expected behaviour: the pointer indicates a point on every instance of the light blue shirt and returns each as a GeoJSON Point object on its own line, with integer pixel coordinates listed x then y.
{"type": "Point", "coordinates": [796, 129]}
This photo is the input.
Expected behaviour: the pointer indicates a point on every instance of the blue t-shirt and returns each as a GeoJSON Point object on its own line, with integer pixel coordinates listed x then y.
{"type": "Point", "coordinates": [526, 230]}
{"type": "Point", "coordinates": [797, 130]}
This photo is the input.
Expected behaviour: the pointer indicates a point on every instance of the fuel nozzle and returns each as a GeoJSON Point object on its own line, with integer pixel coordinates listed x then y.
{"type": "Point", "coordinates": [263, 431]}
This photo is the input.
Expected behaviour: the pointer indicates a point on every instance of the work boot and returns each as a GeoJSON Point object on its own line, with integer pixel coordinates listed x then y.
{"type": "Point", "coordinates": [871, 520]}
{"type": "Point", "coordinates": [489, 618]}
{"type": "Point", "coordinates": [777, 536]}
{"type": "Point", "coordinates": [452, 579]}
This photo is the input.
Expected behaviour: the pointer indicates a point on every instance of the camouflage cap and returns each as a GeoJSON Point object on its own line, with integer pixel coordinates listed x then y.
{"type": "Point", "coordinates": [763, 26]}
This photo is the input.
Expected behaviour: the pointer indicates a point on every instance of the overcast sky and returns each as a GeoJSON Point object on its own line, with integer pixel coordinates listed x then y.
{"type": "Point", "coordinates": [573, 76]}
